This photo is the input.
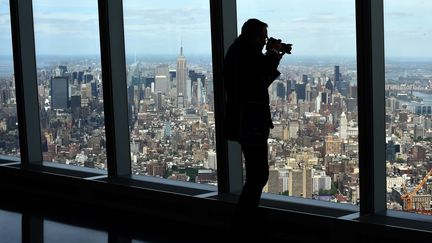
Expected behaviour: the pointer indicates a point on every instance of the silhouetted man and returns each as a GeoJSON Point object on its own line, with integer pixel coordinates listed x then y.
{"type": "Point", "coordinates": [248, 73]}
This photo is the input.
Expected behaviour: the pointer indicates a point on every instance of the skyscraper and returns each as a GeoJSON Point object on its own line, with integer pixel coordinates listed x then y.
{"type": "Point", "coordinates": [273, 181]}
{"type": "Point", "coordinates": [280, 90]}
{"type": "Point", "coordinates": [343, 126]}
{"type": "Point", "coordinates": [167, 129]}
{"type": "Point", "coordinates": [194, 93]}
{"type": "Point", "coordinates": [159, 101]}
{"type": "Point", "coordinates": [324, 97]}
{"type": "Point", "coordinates": [59, 93]}
{"type": "Point", "coordinates": [329, 85]}
{"type": "Point", "coordinates": [321, 182]}
{"type": "Point", "coordinates": [295, 183]}
{"type": "Point", "coordinates": [304, 79]}
{"type": "Point", "coordinates": [293, 128]}
{"type": "Point", "coordinates": [308, 93]}
{"type": "Point", "coordinates": [289, 87]}
{"type": "Point", "coordinates": [162, 78]}
{"type": "Point", "coordinates": [339, 84]}
{"type": "Point", "coordinates": [337, 75]}
{"type": "Point", "coordinates": [301, 91]}
{"type": "Point", "coordinates": [211, 158]}
{"type": "Point", "coordinates": [181, 79]}
{"type": "Point", "coordinates": [343, 88]}
{"type": "Point", "coordinates": [307, 183]}
{"type": "Point", "coordinates": [75, 101]}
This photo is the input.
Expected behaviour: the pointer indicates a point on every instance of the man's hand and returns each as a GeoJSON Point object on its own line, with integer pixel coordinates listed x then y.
{"type": "Point", "coordinates": [275, 52]}
{"type": "Point", "coordinates": [274, 44]}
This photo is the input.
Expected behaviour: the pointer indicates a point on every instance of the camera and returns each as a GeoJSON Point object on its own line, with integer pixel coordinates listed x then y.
{"type": "Point", "coordinates": [286, 48]}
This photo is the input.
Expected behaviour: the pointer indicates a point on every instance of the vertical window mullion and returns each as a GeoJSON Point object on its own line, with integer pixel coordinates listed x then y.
{"type": "Point", "coordinates": [114, 87]}
{"type": "Point", "coordinates": [26, 81]}
{"type": "Point", "coordinates": [371, 109]}
{"type": "Point", "coordinates": [224, 31]}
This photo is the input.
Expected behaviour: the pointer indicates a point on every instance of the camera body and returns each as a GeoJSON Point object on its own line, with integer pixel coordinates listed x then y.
{"type": "Point", "coordinates": [286, 48]}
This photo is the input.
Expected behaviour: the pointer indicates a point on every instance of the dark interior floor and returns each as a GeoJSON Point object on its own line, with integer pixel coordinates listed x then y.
{"type": "Point", "coordinates": [46, 207]}
{"type": "Point", "coordinates": [76, 224]}
{"type": "Point", "coordinates": [42, 207]}
{"type": "Point", "coordinates": [28, 227]}
{"type": "Point", "coordinates": [69, 226]}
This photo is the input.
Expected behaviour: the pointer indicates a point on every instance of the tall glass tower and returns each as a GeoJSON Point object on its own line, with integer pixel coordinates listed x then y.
{"type": "Point", "coordinates": [59, 93]}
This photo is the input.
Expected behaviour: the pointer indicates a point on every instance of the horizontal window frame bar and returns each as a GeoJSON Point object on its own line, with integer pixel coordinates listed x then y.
{"type": "Point", "coordinates": [79, 169]}
{"type": "Point", "coordinates": [167, 184]}
{"type": "Point", "coordinates": [9, 159]}
{"type": "Point", "coordinates": [311, 205]}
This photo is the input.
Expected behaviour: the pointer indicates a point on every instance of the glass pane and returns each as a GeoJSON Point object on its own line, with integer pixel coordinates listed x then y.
{"type": "Point", "coordinates": [9, 141]}
{"type": "Point", "coordinates": [313, 147]}
{"type": "Point", "coordinates": [70, 82]}
{"type": "Point", "coordinates": [170, 89]}
{"type": "Point", "coordinates": [58, 232]}
{"type": "Point", "coordinates": [408, 83]}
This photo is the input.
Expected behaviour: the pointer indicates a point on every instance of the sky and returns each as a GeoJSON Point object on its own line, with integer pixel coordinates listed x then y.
{"type": "Point", "coordinates": [314, 27]}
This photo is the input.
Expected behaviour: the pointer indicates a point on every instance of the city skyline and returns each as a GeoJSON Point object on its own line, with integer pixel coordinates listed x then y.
{"type": "Point", "coordinates": [313, 108]}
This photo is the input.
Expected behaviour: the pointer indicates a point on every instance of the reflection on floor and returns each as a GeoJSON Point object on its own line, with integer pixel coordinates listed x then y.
{"type": "Point", "coordinates": [10, 227]}
{"type": "Point", "coordinates": [16, 227]}
{"type": "Point", "coordinates": [57, 232]}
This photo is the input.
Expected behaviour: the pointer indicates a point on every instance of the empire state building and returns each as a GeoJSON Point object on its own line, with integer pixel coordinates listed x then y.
{"type": "Point", "coordinates": [181, 80]}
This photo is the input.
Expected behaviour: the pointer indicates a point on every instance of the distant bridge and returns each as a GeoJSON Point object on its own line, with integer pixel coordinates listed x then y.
{"type": "Point", "coordinates": [407, 89]}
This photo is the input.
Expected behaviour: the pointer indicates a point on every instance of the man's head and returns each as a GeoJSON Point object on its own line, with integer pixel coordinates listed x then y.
{"type": "Point", "coordinates": [255, 31]}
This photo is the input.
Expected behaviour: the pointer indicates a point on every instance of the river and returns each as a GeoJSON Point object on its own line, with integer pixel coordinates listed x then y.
{"type": "Point", "coordinates": [427, 100]}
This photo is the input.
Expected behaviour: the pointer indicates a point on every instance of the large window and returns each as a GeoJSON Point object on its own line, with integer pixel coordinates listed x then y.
{"type": "Point", "coordinates": [70, 82]}
{"type": "Point", "coordinates": [9, 144]}
{"type": "Point", "coordinates": [170, 89]}
{"type": "Point", "coordinates": [408, 75]}
{"type": "Point", "coordinates": [313, 148]}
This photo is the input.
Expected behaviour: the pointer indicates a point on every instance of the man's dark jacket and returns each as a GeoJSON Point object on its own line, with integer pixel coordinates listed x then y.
{"type": "Point", "coordinates": [247, 75]}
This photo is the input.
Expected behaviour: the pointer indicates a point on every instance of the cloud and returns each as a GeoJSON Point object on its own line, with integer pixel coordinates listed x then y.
{"type": "Point", "coordinates": [146, 29]}
{"type": "Point", "coordinates": [394, 34]}
{"type": "Point", "coordinates": [66, 32]}
{"type": "Point", "coordinates": [152, 30]}
{"type": "Point", "coordinates": [399, 14]}
{"type": "Point", "coordinates": [74, 19]}
{"type": "Point", "coordinates": [50, 17]}
{"type": "Point", "coordinates": [153, 18]}
{"type": "Point", "coordinates": [144, 21]}
{"type": "Point", "coordinates": [57, 24]}
{"type": "Point", "coordinates": [321, 19]}
{"type": "Point", "coordinates": [64, 5]}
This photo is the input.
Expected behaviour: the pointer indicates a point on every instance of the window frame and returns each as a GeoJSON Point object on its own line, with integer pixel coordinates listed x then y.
{"type": "Point", "coordinates": [371, 106]}
{"type": "Point", "coordinates": [23, 47]}
{"type": "Point", "coordinates": [370, 68]}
